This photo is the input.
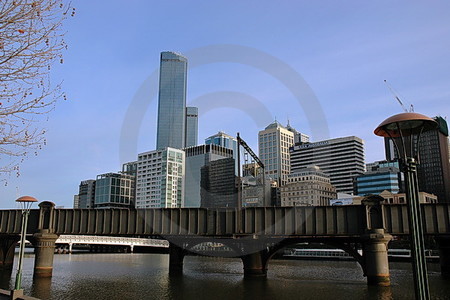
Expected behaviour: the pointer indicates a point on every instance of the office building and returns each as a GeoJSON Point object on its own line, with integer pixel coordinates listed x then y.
{"type": "Point", "coordinates": [76, 201]}
{"type": "Point", "coordinates": [130, 168]}
{"type": "Point", "coordinates": [308, 187]}
{"type": "Point", "coordinates": [196, 158]}
{"type": "Point", "coordinates": [433, 171]}
{"type": "Point", "coordinates": [250, 169]}
{"type": "Point", "coordinates": [380, 176]}
{"type": "Point", "coordinates": [191, 126]}
{"type": "Point", "coordinates": [114, 190]}
{"type": "Point", "coordinates": [171, 128]}
{"type": "Point", "coordinates": [226, 141]}
{"type": "Point", "coordinates": [341, 158]}
{"type": "Point", "coordinates": [256, 192]}
{"type": "Point", "coordinates": [218, 184]}
{"type": "Point", "coordinates": [274, 143]}
{"type": "Point", "coordinates": [160, 179]}
{"type": "Point", "coordinates": [299, 138]}
{"type": "Point", "coordinates": [86, 194]}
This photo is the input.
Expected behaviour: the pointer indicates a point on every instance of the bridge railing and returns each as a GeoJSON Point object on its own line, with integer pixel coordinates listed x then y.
{"type": "Point", "coordinates": [275, 221]}
{"type": "Point", "coordinates": [436, 218]}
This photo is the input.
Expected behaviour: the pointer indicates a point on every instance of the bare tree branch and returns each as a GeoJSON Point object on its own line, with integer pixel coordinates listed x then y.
{"type": "Point", "coordinates": [31, 41]}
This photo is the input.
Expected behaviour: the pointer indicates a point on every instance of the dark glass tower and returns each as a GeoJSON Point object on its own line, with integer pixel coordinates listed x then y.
{"type": "Point", "coordinates": [171, 128]}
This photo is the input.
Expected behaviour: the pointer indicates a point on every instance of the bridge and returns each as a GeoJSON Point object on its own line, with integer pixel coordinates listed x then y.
{"type": "Point", "coordinates": [254, 234]}
{"type": "Point", "coordinates": [71, 240]}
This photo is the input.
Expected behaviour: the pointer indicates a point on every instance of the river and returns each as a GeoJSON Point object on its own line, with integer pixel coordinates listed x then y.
{"type": "Point", "coordinates": [145, 276]}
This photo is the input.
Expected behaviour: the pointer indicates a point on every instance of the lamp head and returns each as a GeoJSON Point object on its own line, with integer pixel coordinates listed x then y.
{"type": "Point", "coordinates": [405, 124]}
{"type": "Point", "coordinates": [26, 202]}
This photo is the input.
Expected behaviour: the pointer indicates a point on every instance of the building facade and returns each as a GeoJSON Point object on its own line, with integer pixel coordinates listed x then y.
{"type": "Point", "coordinates": [380, 176]}
{"type": "Point", "coordinates": [160, 179]}
{"type": "Point", "coordinates": [114, 190]}
{"type": "Point", "coordinates": [299, 138]}
{"type": "Point", "coordinates": [342, 159]}
{"type": "Point", "coordinates": [86, 194]}
{"type": "Point", "coordinates": [310, 187]}
{"type": "Point", "coordinates": [273, 145]}
{"type": "Point", "coordinates": [226, 141]}
{"type": "Point", "coordinates": [433, 171]}
{"type": "Point", "coordinates": [191, 126]}
{"type": "Point", "coordinates": [218, 184]}
{"type": "Point", "coordinates": [196, 158]}
{"type": "Point", "coordinates": [171, 128]}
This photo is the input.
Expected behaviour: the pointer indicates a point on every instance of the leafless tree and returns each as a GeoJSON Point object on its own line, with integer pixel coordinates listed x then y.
{"type": "Point", "coordinates": [31, 41]}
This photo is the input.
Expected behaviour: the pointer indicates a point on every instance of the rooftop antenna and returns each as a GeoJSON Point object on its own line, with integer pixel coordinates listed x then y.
{"type": "Point", "coordinates": [411, 107]}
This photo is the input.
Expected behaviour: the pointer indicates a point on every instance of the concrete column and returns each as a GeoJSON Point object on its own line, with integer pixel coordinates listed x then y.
{"type": "Point", "coordinates": [376, 258]}
{"type": "Point", "coordinates": [444, 255]}
{"type": "Point", "coordinates": [44, 245]}
{"type": "Point", "coordinates": [7, 246]}
{"type": "Point", "coordinates": [131, 248]}
{"type": "Point", "coordinates": [255, 264]}
{"type": "Point", "coordinates": [176, 257]}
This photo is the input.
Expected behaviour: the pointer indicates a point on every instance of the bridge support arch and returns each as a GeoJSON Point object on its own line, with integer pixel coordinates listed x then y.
{"type": "Point", "coordinates": [44, 247]}
{"type": "Point", "coordinates": [444, 255]}
{"type": "Point", "coordinates": [255, 264]}
{"type": "Point", "coordinates": [176, 258]}
{"type": "Point", "coordinates": [7, 246]}
{"type": "Point", "coordinates": [375, 257]}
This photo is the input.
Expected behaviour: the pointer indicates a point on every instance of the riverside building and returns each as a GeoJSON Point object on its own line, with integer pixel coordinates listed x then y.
{"type": "Point", "coordinates": [160, 179]}
{"type": "Point", "coordinates": [196, 158]}
{"type": "Point", "coordinates": [341, 158]}
{"type": "Point", "coordinates": [114, 190]}
{"type": "Point", "coordinates": [273, 145]}
{"type": "Point", "coordinates": [307, 187]}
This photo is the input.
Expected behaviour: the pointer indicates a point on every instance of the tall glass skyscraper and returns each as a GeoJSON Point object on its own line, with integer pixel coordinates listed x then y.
{"type": "Point", "coordinates": [191, 126]}
{"type": "Point", "coordinates": [171, 128]}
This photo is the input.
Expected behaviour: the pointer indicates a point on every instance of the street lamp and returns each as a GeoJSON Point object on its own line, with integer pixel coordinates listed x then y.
{"type": "Point", "coordinates": [405, 130]}
{"type": "Point", "coordinates": [25, 202]}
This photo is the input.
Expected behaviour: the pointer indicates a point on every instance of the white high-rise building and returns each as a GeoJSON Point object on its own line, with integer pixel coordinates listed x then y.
{"type": "Point", "coordinates": [341, 158]}
{"type": "Point", "coordinates": [160, 179]}
{"type": "Point", "coordinates": [274, 143]}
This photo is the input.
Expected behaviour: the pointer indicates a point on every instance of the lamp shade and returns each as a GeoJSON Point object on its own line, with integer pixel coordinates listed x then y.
{"type": "Point", "coordinates": [405, 124]}
{"type": "Point", "coordinates": [26, 199]}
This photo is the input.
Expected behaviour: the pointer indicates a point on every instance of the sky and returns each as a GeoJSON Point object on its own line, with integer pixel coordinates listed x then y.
{"type": "Point", "coordinates": [319, 64]}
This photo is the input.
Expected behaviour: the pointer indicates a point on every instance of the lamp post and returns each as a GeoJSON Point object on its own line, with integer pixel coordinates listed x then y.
{"type": "Point", "coordinates": [405, 130]}
{"type": "Point", "coordinates": [25, 202]}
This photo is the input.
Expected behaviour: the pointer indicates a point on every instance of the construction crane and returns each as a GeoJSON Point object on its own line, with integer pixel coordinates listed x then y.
{"type": "Point", "coordinates": [411, 107]}
{"type": "Point", "coordinates": [241, 142]}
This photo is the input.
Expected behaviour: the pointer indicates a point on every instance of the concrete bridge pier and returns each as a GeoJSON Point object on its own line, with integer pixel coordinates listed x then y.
{"type": "Point", "coordinates": [7, 246]}
{"type": "Point", "coordinates": [444, 255]}
{"type": "Point", "coordinates": [176, 257]}
{"type": "Point", "coordinates": [376, 258]}
{"type": "Point", "coordinates": [255, 264]}
{"type": "Point", "coordinates": [44, 246]}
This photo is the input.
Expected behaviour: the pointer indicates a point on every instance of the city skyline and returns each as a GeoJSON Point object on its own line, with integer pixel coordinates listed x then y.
{"type": "Point", "coordinates": [343, 52]}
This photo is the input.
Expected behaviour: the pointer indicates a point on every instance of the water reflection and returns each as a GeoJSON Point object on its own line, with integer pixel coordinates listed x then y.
{"type": "Point", "coordinates": [145, 276]}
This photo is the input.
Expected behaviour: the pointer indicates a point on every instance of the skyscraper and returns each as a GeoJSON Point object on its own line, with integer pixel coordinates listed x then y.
{"type": "Point", "coordinates": [171, 130]}
{"type": "Point", "coordinates": [191, 126]}
{"type": "Point", "coordinates": [218, 184]}
{"type": "Point", "coordinates": [341, 158]}
{"type": "Point", "coordinates": [227, 141]}
{"type": "Point", "coordinates": [196, 158]}
{"type": "Point", "coordinates": [273, 143]}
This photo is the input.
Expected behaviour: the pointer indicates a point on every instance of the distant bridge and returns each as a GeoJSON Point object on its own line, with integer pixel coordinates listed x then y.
{"type": "Point", "coordinates": [253, 234]}
{"type": "Point", "coordinates": [71, 240]}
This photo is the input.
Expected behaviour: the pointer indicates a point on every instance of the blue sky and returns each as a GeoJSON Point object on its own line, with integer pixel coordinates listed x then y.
{"type": "Point", "coordinates": [339, 51]}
